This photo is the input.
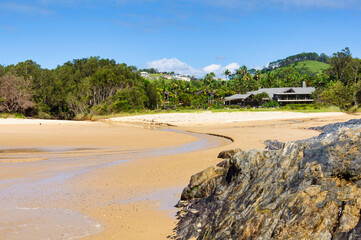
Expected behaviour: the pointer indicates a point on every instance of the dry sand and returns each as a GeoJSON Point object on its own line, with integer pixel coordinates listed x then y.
{"type": "Point", "coordinates": [211, 119]}
{"type": "Point", "coordinates": [132, 200]}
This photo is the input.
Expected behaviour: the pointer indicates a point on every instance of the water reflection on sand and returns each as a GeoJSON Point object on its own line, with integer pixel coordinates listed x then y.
{"type": "Point", "coordinates": [31, 205]}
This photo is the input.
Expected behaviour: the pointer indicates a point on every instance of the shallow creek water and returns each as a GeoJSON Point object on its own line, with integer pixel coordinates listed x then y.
{"type": "Point", "coordinates": [28, 207]}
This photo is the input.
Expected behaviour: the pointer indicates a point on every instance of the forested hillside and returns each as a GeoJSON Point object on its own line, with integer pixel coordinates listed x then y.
{"type": "Point", "coordinates": [308, 67]}
{"type": "Point", "coordinates": [296, 58]}
{"type": "Point", "coordinates": [95, 86]}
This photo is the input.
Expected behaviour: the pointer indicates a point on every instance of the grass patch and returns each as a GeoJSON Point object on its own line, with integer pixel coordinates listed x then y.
{"type": "Point", "coordinates": [313, 67]}
{"type": "Point", "coordinates": [354, 109]}
{"type": "Point", "coordinates": [6, 115]}
{"type": "Point", "coordinates": [310, 108]}
{"type": "Point", "coordinates": [19, 115]}
{"type": "Point", "coordinates": [155, 74]}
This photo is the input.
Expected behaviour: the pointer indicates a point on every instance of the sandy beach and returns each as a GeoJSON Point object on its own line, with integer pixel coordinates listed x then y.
{"type": "Point", "coordinates": [119, 178]}
{"type": "Point", "coordinates": [214, 118]}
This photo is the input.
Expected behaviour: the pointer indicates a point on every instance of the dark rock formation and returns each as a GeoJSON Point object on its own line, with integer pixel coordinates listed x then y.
{"type": "Point", "coordinates": [273, 145]}
{"type": "Point", "coordinates": [228, 153]}
{"type": "Point", "coordinates": [329, 128]}
{"type": "Point", "coordinates": [309, 189]}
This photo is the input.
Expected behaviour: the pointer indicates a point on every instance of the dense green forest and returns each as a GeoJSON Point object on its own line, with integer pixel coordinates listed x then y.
{"type": "Point", "coordinates": [83, 86]}
{"type": "Point", "coordinates": [95, 86]}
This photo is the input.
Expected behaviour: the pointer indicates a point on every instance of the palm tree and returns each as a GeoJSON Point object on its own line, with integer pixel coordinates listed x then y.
{"type": "Point", "coordinates": [238, 71]}
{"type": "Point", "coordinates": [257, 77]}
{"type": "Point", "coordinates": [208, 79]}
{"type": "Point", "coordinates": [244, 70]}
{"type": "Point", "coordinates": [227, 73]}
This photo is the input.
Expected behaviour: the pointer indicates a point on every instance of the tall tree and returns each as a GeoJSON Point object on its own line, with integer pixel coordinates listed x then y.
{"type": "Point", "coordinates": [15, 94]}
{"type": "Point", "coordinates": [2, 70]}
{"type": "Point", "coordinates": [340, 69]}
{"type": "Point", "coordinates": [208, 79]}
{"type": "Point", "coordinates": [244, 71]}
{"type": "Point", "coordinates": [227, 73]}
{"type": "Point", "coordinates": [355, 66]}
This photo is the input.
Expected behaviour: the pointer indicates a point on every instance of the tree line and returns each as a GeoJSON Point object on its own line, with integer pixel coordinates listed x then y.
{"type": "Point", "coordinates": [344, 84]}
{"type": "Point", "coordinates": [95, 86]}
{"type": "Point", "coordinates": [80, 87]}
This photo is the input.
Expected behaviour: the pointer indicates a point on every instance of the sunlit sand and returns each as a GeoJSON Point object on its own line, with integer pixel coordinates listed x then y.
{"type": "Point", "coordinates": [115, 180]}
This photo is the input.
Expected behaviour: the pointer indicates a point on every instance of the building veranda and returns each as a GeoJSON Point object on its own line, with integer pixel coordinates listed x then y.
{"type": "Point", "coordinates": [284, 96]}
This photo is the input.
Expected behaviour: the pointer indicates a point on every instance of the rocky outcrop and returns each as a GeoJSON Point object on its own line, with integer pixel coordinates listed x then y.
{"type": "Point", "coordinates": [228, 153]}
{"type": "Point", "coordinates": [273, 144]}
{"type": "Point", "coordinates": [308, 189]}
{"type": "Point", "coordinates": [330, 128]}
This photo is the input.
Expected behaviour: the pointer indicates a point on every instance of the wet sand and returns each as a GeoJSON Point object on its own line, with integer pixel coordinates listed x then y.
{"type": "Point", "coordinates": [47, 170]}
{"type": "Point", "coordinates": [122, 200]}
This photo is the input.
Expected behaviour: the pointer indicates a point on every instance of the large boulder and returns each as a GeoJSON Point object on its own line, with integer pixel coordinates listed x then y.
{"type": "Point", "coordinates": [229, 153]}
{"type": "Point", "coordinates": [332, 127]}
{"type": "Point", "coordinates": [308, 189]}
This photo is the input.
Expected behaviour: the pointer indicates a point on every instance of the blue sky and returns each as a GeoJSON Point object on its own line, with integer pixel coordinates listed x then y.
{"type": "Point", "coordinates": [187, 36]}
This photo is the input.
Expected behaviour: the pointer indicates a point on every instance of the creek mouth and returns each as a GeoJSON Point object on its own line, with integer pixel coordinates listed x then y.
{"type": "Point", "coordinates": [31, 204]}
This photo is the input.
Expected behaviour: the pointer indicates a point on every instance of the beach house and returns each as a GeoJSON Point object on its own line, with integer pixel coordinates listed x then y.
{"type": "Point", "coordinates": [284, 96]}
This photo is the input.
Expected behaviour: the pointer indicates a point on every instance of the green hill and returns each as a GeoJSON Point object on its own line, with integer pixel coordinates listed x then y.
{"type": "Point", "coordinates": [313, 66]}
{"type": "Point", "coordinates": [309, 67]}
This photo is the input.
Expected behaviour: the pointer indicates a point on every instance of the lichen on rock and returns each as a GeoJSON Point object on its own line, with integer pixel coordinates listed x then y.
{"type": "Point", "coordinates": [308, 189]}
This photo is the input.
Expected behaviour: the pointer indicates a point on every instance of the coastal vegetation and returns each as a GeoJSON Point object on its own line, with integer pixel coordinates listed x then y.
{"type": "Point", "coordinates": [95, 86]}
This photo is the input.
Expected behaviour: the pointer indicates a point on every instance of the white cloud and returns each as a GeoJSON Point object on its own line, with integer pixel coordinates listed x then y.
{"type": "Point", "coordinates": [177, 66]}
{"type": "Point", "coordinates": [257, 67]}
{"type": "Point", "coordinates": [174, 65]}
{"type": "Point", "coordinates": [219, 69]}
{"type": "Point", "coordinates": [232, 67]}
{"type": "Point", "coordinates": [212, 68]}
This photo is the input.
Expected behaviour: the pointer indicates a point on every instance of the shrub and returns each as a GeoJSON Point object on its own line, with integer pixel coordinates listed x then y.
{"type": "Point", "coordinates": [271, 104]}
{"type": "Point", "coordinates": [234, 106]}
{"type": "Point", "coordinates": [338, 95]}
{"type": "Point", "coordinates": [297, 106]}
{"type": "Point", "coordinates": [120, 106]}
{"type": "Point", "coordinates": [18, 115]}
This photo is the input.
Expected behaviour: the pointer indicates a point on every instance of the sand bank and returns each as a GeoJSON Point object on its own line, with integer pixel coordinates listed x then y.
{"type": "Point", "coordinates": [21, 121]}
{"type": "Point", "coordinates": [30, 133]}
{"type": "Point", "coordinates": [210, 118]}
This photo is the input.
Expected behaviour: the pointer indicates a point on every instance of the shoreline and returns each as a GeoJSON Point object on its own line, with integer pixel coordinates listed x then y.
{"type": "Point", "coordinates": [121, 196]}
